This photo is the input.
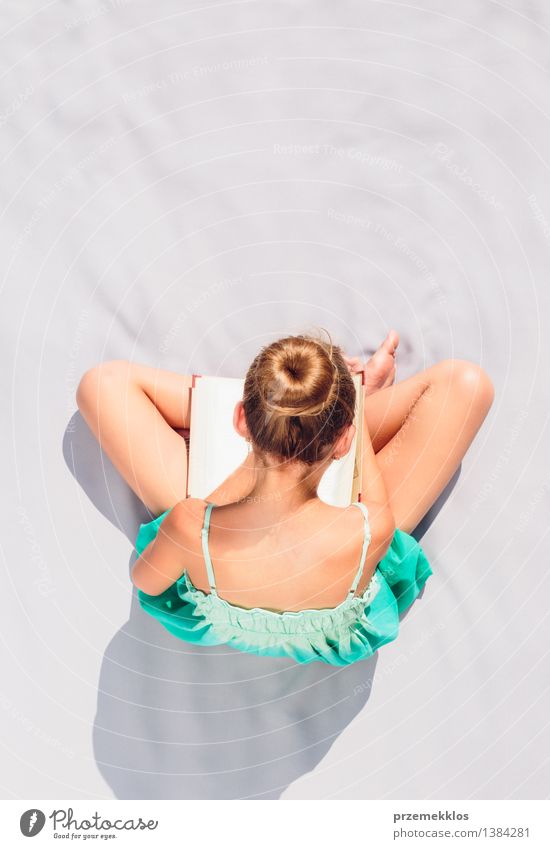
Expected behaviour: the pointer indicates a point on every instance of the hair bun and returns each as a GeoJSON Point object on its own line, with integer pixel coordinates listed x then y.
{"type": "Point", "coordinates": [302, 379]}
{"type": "Point", "coordinates": [298, 396]}
{"type": "Point", "coordinates": [294, 364]}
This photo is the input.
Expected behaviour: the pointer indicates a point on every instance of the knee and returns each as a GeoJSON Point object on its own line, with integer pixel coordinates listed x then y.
{"type": "Point", "coordinates": [96, 376]}
{"type": "Point", "coordinates": [468, 378]}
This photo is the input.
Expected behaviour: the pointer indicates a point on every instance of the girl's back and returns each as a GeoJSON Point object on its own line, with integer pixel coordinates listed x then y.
{"type": "Point", "coordinates": [262, 557]}
{"type": "Point", "coordinates": [348, 606]}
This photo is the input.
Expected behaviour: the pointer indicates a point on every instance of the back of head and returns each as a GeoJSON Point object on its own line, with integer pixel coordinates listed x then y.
{"type": "Point", "coordinates": [298, 398]}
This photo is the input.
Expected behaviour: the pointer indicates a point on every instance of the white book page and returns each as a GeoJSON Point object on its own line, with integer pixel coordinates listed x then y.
{"type": "Point", "coordinates": [215, 447]}
{"type": "Point", "coordinates": [335, 485]}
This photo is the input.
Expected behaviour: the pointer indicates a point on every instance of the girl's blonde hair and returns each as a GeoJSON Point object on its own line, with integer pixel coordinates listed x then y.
{"type": "Point", "coordinates": [298, 398]}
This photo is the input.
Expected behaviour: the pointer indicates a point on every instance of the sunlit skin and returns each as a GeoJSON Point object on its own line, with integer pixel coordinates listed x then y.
{"type": "Point", "coordinates": [274, 543]}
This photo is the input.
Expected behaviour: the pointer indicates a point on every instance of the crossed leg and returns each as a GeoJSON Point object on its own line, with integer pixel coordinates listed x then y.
{"type": "Point", "coordinates": [134, 411]}
{"type": "Point", "coordinates": [421, 429]}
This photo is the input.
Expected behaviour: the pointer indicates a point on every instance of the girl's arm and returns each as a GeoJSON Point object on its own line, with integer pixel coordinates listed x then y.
{"type": "Point", "coordinates": [373, 484]}
{"type": "Point", "coordinates": [373, 492]}
{"type": "Point", "coordinates": [167, 390]}
{"type": "Point", "coordinates": [375, 496]}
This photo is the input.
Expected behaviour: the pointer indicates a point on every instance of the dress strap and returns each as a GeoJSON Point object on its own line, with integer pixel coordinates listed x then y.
{"type": "Point", "coordinates": [366, 541]}
{"type": "Point", "coordinates": [205, 550]}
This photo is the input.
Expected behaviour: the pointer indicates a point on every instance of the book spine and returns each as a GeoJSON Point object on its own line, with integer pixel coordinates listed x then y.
{"type": "Point", "coordinates": [193, 382]}
{"type": "Point", "coordinates": [362, 384]}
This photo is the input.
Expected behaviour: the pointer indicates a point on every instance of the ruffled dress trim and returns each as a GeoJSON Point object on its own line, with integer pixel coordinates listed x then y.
{"type": "Point", "coordinates": [341, 635]}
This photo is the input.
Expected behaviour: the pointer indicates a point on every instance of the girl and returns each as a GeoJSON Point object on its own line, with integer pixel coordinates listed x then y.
{"type": "Point", "coordinates": [263, 564]}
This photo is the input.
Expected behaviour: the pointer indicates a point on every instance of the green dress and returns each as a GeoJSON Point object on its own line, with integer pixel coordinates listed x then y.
{"type": "Point", "coordinates": [340, 635]}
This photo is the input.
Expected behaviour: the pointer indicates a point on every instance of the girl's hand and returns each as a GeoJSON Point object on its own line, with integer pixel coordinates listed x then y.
{"type": "Point", "coordinates": [354, 364]}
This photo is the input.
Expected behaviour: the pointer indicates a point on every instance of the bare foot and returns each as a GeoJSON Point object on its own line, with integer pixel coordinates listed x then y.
{"type": "Point", "coordinates": [380, 369]}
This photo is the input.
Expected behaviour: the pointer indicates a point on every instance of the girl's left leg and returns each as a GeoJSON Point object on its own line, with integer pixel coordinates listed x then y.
{"type": "Point", "coordinates": [432, 418]}
{"type": "Point", "coordinates": [132, 410]}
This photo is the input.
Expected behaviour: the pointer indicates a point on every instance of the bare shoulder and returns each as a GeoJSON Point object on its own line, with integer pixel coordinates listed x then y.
{"type": "Point", "coordinates": [379, 517]}
{"type": "Point", "coordinates": [344, 527]}
{"type": "Point", "coordinates": [381, 521]}
{"type": "Point", "coordinates": [188, 515]}
{"type": "Point", "coordinates": [382, 529]}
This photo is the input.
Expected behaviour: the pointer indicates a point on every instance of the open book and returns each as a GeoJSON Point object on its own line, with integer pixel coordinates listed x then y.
{"type": "Point", "coordinates": [216, 449]}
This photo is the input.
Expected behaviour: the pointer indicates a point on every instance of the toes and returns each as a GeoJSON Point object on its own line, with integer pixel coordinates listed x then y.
{"type": "Point", "coordinates": [391, 342]}
{"type": "Point", "coordinates": [389, 379]}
